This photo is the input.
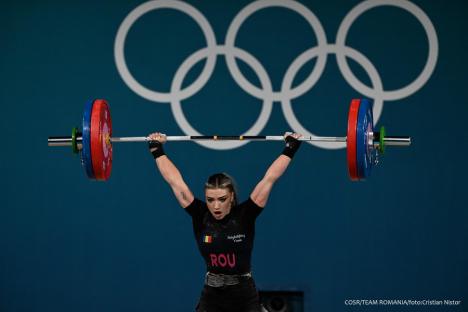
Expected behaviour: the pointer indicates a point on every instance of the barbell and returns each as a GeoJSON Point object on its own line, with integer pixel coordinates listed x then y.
{"type": "Point", "coordinates": [94, 143]}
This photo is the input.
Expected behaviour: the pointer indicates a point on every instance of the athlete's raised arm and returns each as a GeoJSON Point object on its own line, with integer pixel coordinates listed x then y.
{"type": "Point", "coordinates": [168, 170]}
{"type": "Point", "coordinates": [262, 191]}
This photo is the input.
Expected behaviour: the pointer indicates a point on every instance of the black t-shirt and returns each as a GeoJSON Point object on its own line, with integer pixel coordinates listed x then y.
{"type": "Point", "coordinates": [226, 245]}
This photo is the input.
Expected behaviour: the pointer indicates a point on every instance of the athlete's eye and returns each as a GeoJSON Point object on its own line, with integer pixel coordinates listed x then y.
{"type": "Point", "coordinates": [222, 200]}
{"type": "Point", "coordinates": [210, 200]}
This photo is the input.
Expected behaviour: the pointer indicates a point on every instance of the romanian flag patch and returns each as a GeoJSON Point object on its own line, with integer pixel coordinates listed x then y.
{"type": "Point", "coordinates": [208, 239]}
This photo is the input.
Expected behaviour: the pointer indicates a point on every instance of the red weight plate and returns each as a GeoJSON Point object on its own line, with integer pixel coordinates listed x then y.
{"type": "Point", "coordinates": [351, 139]}
{"type": "Point", "coordinates": [101, 146]}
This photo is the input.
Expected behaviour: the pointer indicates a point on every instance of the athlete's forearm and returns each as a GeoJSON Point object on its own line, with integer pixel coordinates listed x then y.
{"type": "Point", "coordinates": [277, 168]}
{"type": "Point", "coordinates": [168, 170]}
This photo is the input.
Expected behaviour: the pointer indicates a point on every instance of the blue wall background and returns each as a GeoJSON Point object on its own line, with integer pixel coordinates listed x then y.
{"type": "Point", "coordinates": [70, 244]}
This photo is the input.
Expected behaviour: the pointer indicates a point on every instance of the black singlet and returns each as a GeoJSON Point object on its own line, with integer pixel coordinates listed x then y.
{"type": "Point", "coordinates": [226, 245]}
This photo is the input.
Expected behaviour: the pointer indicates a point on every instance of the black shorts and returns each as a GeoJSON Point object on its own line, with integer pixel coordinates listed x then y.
{"type": "Point", "coordinates": [242, 297]}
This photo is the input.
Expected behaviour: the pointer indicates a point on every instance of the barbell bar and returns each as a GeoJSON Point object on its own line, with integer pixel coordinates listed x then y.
{"type": "Point", "coordinates": [94, 143]}
{"type": "Point", "coordinates": [67, 141]}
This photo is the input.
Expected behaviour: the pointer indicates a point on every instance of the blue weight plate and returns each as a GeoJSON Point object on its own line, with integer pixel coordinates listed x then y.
{"type": "Point", "coordinates": [364, 144]}
{"type": "Point", "coordinates": [86, 140]}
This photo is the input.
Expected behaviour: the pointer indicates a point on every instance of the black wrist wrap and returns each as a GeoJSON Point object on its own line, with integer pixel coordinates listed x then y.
{"type": "Point", "coordinates": [292, 145]}
{"type": "Point", "coordinates": [156, 148]}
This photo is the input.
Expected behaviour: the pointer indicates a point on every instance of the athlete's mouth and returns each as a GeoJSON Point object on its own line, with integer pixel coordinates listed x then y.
{"type": "Point", "coordinates": [217, 213]}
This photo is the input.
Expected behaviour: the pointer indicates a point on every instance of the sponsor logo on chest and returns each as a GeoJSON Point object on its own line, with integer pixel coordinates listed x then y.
{"type": "Point", "coordinates": [235, 238]}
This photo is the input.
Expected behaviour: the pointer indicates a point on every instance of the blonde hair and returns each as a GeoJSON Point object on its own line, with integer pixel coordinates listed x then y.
{"type": "Point", "coordinates": [222, 181]}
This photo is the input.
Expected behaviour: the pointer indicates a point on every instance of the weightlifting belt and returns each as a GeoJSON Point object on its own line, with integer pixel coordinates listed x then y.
{"type": "Point", "coordinates": [219, 280]}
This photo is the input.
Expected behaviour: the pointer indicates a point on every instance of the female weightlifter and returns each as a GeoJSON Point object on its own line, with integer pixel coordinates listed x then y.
{"type": "Point", "coordinates": [224, 228]}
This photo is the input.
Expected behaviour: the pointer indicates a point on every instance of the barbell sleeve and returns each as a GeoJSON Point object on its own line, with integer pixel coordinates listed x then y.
{"type": "Point", "coordinates": [59, 141]}
{"type": "Point", "coordinates": [397, 141]}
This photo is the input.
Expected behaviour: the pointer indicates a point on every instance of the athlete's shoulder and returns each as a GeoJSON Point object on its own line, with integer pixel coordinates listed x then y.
{"type": "Point", "coordinates": [196, 207]}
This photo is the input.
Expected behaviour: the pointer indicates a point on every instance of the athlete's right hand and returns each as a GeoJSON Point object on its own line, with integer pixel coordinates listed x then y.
{"type": "Point", "coordinates": [158, 137]}
{"type": "Point", "coordinates": [155, 144]}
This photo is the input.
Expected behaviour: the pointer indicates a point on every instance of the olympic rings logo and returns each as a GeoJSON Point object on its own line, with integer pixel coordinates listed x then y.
{"type": "Point", "coordinates": [266, 92]}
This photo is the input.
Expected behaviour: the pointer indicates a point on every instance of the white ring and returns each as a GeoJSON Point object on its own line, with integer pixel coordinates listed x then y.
{"type": "Point", "coordinates": [179, 79]}
{"type": "Point", "coordinates": [303, 59]}
{"type": "Point", "coordinates": [119, 45]}
{"type": "Point", "coordinates": [431, 58]}
{"type": "Point", "coordinates": [237, 74]}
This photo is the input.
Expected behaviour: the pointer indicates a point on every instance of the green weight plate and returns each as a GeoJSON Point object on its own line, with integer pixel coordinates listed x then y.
{"type": "Point", "coordinates": [382, 140]}
{"type": "Point", "coordinates": [74, 144]}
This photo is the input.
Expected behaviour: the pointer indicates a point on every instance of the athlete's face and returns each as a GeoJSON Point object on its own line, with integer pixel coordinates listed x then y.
{"type": "Point", "coordinates": [219, 202]}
